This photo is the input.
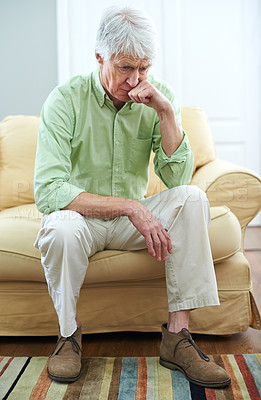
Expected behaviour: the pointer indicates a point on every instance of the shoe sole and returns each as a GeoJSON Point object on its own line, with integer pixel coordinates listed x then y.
{"type": "Point", "coordinates": [63, 378]}
{"type": "Point", "coordinates": [173, 366]}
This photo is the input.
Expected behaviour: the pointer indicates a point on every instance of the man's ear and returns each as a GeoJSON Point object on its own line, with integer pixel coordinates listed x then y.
{"type": "Point", "coordinates": [99, 58]}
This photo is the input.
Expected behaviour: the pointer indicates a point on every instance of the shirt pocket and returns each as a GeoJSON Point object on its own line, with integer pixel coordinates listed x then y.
{"type": "Point", "coordinates": [139, 155]}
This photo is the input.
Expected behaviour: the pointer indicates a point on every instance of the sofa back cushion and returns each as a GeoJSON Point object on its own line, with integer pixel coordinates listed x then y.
{"type": "Point", "coordinates": [18, 139]}
{"type": "Point", "coordinates": [195, 124]}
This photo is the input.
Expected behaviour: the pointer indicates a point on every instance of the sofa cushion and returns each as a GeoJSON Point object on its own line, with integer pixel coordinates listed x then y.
{"type": "Point", "coordinates": [18, 138]}
{"type": "Point", "coordinates": [224, 233]}
{"type": "Point", "coordinates": [195, 124]}
{"type": "Point", "coordinates": [20, 260]}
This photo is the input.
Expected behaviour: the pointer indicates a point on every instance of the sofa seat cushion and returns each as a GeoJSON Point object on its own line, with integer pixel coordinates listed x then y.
{"type": "Point", "coordinates": [20, 260]}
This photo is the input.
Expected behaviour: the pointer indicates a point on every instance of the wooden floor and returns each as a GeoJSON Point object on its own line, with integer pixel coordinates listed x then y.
{"type": "Point", "coordinates": [147, 344]}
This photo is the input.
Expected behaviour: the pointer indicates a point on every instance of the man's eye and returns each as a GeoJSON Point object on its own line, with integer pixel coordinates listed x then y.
{"type": "Point", "coordinates": [125, 68]}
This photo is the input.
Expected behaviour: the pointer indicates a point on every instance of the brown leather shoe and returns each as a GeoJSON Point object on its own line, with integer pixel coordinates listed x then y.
{"type": "Point", "coordinates": [64, 363]}
{"type": "Point", "coordinates": [179, 351]}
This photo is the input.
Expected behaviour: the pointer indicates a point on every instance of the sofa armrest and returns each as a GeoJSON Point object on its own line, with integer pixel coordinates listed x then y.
{"type": "Point", "coordinates": [228, 184]}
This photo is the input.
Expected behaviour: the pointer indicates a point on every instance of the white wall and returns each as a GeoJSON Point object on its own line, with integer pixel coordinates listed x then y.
{"type": "Point", "coordinates": [210, 54]}
{"type": "Point", "coordinates": [28, 50]}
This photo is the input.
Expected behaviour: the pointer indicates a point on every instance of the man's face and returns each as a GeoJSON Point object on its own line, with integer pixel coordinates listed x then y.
{"type": "Point", "coordinates": [121, 74]}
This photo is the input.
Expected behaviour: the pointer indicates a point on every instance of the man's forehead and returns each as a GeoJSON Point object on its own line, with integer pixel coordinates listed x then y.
{"type": "Point", "coordinates": [129, 60]}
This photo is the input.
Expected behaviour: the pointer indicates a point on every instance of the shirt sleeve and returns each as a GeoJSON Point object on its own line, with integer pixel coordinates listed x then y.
{"type": "Point", "coordinates": [177, 169]}
{"type": "Point", "coordinates": [52, 188]}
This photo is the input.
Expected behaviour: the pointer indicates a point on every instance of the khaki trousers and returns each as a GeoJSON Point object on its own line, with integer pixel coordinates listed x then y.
{"type": "Point", "coordinates": [67, 240]}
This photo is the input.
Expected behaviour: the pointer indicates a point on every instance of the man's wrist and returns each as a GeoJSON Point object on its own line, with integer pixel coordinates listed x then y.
{"type": "Point", "coordinates": [165, 110]}
{"type": "Point", "coordinates": [131, 207]}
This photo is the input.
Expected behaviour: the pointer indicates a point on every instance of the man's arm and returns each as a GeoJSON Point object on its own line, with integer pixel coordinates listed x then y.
{"type": "Point", "coordinates": [52, 189]}
{"type": "Point", "coordinates": [173, 161]}
{"type": "Point", "coordinates": [170, 139]}
{"type": "Point", "coordinates": [96, 206]}
{"type": "Point", "coordinates": [171, 136]}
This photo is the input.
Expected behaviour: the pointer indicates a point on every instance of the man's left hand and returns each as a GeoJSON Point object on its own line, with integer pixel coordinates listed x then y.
{"type": "Point", "coordinates": [147, 94]}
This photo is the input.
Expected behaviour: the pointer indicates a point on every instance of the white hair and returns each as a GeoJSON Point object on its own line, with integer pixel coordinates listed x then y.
{"type": "Point", "coordinates": [126, 30]}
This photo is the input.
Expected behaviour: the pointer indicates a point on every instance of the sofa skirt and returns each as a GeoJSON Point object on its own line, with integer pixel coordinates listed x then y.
{"type": "Point", "coordinates": [26, 308]}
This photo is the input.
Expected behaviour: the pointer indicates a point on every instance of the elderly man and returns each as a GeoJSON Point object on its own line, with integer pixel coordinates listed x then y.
{"type": "Point", "coordinates": [91, 174]}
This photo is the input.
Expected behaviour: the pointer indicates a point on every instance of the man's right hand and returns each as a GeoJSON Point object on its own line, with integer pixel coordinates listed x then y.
{"type": "Point", "coordinates": [96, 206]}
{"type": "Point", "coordinates": [157, 238]}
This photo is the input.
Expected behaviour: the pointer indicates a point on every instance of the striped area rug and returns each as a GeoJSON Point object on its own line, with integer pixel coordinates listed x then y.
{"type": "Point", "coordinates": [127, 378]}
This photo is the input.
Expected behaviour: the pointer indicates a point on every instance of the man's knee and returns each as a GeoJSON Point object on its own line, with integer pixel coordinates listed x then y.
{"type": "Point", "coordinates": [197, 203]}
{"type": "Point", "coordinates": [188, 193]}
{"type": "Point", "coordinates": [63, 227]}
{"type": "Point", "coordinates": [195, 194]}
{"type": "Point", "coordinates": [193, 200]}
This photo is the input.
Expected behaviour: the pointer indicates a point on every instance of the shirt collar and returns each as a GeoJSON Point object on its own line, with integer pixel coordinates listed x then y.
{"type": "Point", "coordinates": [97, 87]}
{"type": "Point", "coordinates": [100, 93]}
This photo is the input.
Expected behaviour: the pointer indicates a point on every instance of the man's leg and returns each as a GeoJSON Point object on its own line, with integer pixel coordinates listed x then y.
{"type": "Point", "coordinates": [191, 283]}
{"type": "Point", "coordinates": [178, 320]}
{"type": "Point", "coordinates": [190, 276]}
{"type": "Point", "coordinates": [184, 212]}
{"type": "Point", "coordinates": [66, 242]}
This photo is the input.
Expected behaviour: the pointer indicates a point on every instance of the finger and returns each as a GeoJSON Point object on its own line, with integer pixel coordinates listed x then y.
{"type": "Point", "coordinates": [150, 246]}
{"type": "Point", "coordinates": [156, 245]}
{"type": "Point", "coordinates": [143, 99]}
{"type": "Point", "coordinates": [140, 95]}
{"type": "Point", "coordinates": [133, 96]}
{"type": "Point", "coordinates": [135, 99]}
{"type": "Point", "coordinates": [169, 245]}
{"type": "Point", "coordinates": [145, 95]}
{"type": "Point", "coordinates": [164, 245]}
{"type": "Point", "coordinates": [141, 86]}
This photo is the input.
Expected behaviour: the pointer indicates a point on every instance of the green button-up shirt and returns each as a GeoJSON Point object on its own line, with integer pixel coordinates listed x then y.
{"type": "Point", "coordinates": [86, 145]}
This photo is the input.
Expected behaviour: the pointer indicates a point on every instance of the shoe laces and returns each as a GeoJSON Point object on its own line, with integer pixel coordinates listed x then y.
{"type": "Point", "coordinates": [75, 346]}
{"type": "Point", "coordinates": [192, 343]}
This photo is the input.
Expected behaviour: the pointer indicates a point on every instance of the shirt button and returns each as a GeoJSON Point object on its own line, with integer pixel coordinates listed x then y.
{"type": "Point", "coordinates": [117, 169]}
{"type": "Point", "coordinates": [117, 142]}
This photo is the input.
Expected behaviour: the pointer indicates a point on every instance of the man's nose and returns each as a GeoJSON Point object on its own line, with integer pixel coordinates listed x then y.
{"type": "Point", "coordinates": [133, 78]}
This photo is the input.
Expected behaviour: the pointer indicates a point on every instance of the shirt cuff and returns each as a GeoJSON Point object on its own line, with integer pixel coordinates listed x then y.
{"type": "Point", "coordinates": [62, 195]}
{"type": "Point", "coordinates": [180, 155]}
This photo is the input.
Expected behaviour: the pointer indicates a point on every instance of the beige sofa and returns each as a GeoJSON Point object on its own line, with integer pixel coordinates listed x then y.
{"type": "Point", "coordinates": [123, 291]}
